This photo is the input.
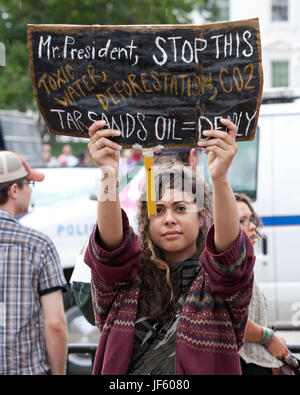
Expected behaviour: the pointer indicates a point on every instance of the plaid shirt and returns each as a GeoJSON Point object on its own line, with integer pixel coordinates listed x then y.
{"type": "Point", "coordinates": [29, 269]}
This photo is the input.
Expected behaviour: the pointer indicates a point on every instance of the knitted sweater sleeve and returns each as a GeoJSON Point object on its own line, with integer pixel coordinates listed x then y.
{"type": "Point", "coordinates": [118, 266]}
{"type": "Point", "coordinates": [230, 277]}
{"type": "Point", "coordinates": [231, 270]}
{"type": "Point", "coordinates": [113, 272]}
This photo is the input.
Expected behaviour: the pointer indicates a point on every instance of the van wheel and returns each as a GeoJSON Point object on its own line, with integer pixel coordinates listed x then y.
{"type": "Point", "coordinates": [81, 332]}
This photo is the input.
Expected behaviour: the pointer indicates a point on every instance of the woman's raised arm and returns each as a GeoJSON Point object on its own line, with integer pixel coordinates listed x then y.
{"type": "Point", "coordinates": [106, 155]}
{"type": "Point", "coordinates": [221, 150]}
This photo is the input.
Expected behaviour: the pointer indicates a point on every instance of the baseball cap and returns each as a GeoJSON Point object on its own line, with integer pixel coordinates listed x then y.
{"type": "Point", "coordinates": [13, 167]}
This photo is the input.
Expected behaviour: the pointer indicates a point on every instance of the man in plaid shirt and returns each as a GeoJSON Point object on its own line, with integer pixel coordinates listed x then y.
{"type": "Point", "coordinates": [33, 329]}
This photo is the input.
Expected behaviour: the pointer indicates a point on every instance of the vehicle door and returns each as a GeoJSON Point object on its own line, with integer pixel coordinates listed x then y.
{"type": "Point", "coordinates": [286, 216]}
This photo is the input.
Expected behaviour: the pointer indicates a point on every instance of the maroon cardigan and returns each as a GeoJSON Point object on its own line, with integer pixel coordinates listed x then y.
{"type": "Point", "coordinates": [212, 323]}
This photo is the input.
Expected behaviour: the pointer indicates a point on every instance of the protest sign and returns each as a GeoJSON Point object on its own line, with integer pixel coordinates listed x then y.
{"type": "Point", "coordinates": [157, 84]}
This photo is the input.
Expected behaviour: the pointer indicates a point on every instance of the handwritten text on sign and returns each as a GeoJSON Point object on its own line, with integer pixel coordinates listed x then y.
{"type": "Point", "coordinates": [156, 84]}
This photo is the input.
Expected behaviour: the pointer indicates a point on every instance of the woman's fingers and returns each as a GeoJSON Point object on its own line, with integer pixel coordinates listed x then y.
{"type": "Point", "coordinates": [96, 130]}
{"type": "Point", "coordinates": [100, 137]}
{"type": "Point", "coordinates": [216, 141]}
{"type": "Point", "coordinates": [232, 129]}
{"type": "Point", "coordinates": [104, 151]}
{"type": "Point", "coordinates": [218, 144]}
{"type": "Point", "coordinates": [227, 136]}
{"type": "Point", "coordinates": [108, 151]}
{"type": "Point", "coordinates": [221, 149]}
{"type": "Point", "coordinates": [103, 146]}
{"type": "Point", "coordinates": [96, 126]}
{"type": "Point", "coordinates": [102, 142]}
{"type": "Point", "coordinates": [220, 139]}
{"type": "Point", "coordinates": [104, 133]}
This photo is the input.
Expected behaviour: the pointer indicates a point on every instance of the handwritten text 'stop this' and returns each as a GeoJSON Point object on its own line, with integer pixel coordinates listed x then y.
{"type": "Point", "coordinates": [165, 50]}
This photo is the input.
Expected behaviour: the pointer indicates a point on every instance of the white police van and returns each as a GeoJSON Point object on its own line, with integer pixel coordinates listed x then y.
{"type": "Point", "coordinates": [276, 199]}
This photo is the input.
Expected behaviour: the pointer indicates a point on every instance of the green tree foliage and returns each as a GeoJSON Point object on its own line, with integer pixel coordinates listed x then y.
{"type": "Point", "coordinates": [15, 82]}
{"type": "Point", "coordinates": [215, 10]}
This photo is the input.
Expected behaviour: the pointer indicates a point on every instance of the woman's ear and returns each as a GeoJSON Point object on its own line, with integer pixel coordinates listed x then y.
{"type": "Point", "coordinates": [201, 217]}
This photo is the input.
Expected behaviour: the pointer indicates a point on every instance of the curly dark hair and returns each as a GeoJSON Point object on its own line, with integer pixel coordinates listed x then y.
{"type": "Point", "coordinates": [156, 298]}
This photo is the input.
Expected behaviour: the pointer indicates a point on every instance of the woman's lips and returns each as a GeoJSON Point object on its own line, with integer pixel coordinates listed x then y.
{"type": "Point", "coordinates": [171, 235]}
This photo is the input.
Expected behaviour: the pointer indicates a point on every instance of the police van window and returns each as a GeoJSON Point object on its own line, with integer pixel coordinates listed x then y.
{"type": "Point", "coordinates": [63, 185]}
{"type": "Point", "coordinates": [243, 171]}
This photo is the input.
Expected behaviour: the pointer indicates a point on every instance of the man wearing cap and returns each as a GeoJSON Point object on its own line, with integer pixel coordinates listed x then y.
{"type": "Point", "coordinates": [33, 329]}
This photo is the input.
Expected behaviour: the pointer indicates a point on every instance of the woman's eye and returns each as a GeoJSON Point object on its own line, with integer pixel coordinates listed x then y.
{"type": "Point", "coordinates": [181, 209]}
{"type": "Point", "coordinates": [159, 210]}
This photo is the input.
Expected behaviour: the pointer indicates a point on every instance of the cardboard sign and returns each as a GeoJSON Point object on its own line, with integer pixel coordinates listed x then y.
{"type": "Point", "coordinates": [158, 85]}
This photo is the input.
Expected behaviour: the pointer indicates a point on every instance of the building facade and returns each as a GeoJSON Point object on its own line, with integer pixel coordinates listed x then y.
{"type": "Point", "coordinates": [280, 38]}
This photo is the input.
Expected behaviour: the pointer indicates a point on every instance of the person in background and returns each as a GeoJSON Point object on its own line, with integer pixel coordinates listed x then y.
{"type": "Point", "coordinates": [66, 158]}
{"type": "Point", "coordinates": [129, 159]}
{"type": "Point", "coordinates": [84, 159]}
{"type": "Point", "coordinates": [132, 157]}
{"type": "Point", "coordinates": [33, 328]}
{"type": "Point", "coordinates": [173, 300]}
{"type": "Point", "coordinates": [50, 160]}
{"type": "Point", "coordinates": [263, 348]}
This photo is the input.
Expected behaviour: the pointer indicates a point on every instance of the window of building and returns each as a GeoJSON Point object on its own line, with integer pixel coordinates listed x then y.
{"type": "Point", "coordinates": [223, 10]}
{"type": "Point", "coordinates": [280, 74]}
{"type": "Point", "coordinates": [280, 10]}
{"type": "Point", "coordinates": [215, 10]}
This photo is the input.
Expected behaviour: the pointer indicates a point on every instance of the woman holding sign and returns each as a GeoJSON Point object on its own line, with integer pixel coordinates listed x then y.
{"type": "Point", "coordinates": [174, 300]}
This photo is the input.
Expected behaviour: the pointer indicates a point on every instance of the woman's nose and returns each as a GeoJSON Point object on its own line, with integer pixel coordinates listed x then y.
{"type": "Point", "coordinates": [252, 226]}
{"type": "Point", "coordinates": [169, 217]}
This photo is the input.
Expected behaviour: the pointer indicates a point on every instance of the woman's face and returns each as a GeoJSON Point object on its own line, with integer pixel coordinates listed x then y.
{"type": "Point", "coordinates": [175, 228]}
{"type": "Point", "coordinates": [246, 218]}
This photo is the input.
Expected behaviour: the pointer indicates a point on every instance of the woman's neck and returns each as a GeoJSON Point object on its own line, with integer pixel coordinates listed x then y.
{"type": "Point", "coordinates": [175, 257]}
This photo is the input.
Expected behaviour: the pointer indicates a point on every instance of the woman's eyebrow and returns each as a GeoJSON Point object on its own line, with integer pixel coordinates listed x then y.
{"type": "Point", "coordinates": [176, 202]}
